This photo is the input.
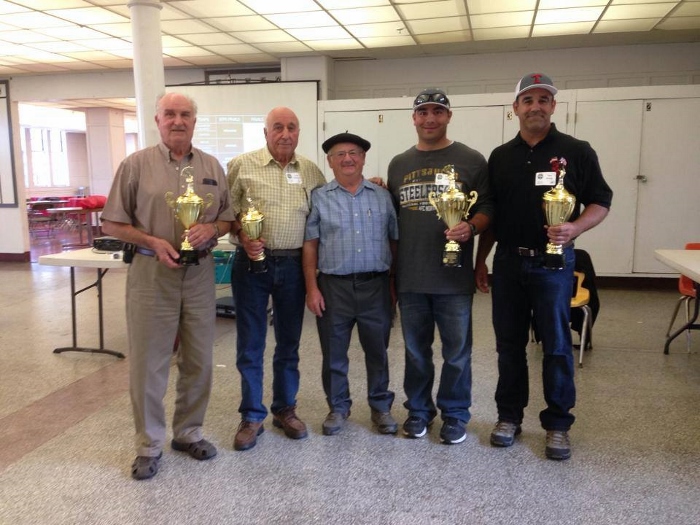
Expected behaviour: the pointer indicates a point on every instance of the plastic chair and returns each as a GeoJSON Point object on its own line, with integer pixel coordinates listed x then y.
{"type": "Point", "coordinates": [687, 289]}
{"type": "Point", "coordinates": [580, 300]}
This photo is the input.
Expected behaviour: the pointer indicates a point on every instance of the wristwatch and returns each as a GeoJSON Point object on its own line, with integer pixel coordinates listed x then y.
{"type": "Point", "coordinates": [473, 229]}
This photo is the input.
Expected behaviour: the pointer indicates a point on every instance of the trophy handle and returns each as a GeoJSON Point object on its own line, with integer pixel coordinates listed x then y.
{"type": "Point", "coordinates": [432, 197]}
{"type": "Point", "coordinates": [473, 196]}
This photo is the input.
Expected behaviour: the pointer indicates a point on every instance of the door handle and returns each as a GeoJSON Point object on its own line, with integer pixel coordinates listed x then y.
{"type": "Point", "coordinates": [641, 178]}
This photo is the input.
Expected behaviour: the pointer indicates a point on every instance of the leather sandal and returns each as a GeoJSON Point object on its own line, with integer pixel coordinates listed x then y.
{"type": "Point", "coordinates": [200, 450]}
{"type": "Point", "coordinates": [145, 467]}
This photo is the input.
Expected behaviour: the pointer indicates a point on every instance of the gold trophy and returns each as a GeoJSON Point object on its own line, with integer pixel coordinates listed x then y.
{"type": "Point", "coordinates": [452, 206]}
{"type": "Point", "coordinates": [188, 209]}
{"type": "Point", "coordinates": [252, 225]}
{"type": "Point", "coordinates": [557, 204]}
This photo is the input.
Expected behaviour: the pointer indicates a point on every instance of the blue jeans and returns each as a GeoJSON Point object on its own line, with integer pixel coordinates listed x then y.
{"type": "Point", "coordinates": [523, 291]}
{"type": "Point", "coordinates": [452, 314]}
{"type": "Point", "coordinates": [284, 281]}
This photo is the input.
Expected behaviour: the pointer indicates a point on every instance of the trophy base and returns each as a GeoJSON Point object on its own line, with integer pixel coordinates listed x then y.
{"type": "Point", "coordinates": [189, 258]}
{"type": "Point", "coordinates": [554, 261]}
{"type": "Point", "coordinates": [257, 265]}
{"type": "Point", "coordinates": [451, 259]}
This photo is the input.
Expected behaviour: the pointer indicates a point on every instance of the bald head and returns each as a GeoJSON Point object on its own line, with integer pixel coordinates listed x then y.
{"type": "Point", "coordinates": [282, 134]}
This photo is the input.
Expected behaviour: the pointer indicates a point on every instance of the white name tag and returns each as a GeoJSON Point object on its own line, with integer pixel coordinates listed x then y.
{"type": "Point", "coordinates": [441, 179]}
{"type": "Point", "coordinates": [293, 177]}
{"type": "Point", "coordinates": [545, 178]}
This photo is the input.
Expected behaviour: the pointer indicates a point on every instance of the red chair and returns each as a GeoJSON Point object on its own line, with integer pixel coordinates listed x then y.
{"type": "Point", "coordinates": [687, 289]}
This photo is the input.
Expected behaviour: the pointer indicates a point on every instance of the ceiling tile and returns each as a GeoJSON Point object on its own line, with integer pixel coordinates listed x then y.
{"type": "Point", "coordinates": [445, 37]}
{"type": "Point", "coordinates": [314, 19]}
{"type": "Point", "coordinates": [480, 7]}
{"type": "Point", "coordinates": [213, 8]}
{"type": "Point", "coordinates": [210, 61]}
{"type": "Point", "coordinates": [183, 52]}
{"type": "Point", "coordinates": [88, 15]}
{"type": "Point", "coordinates": [91, 56]}
{"type": "Point", "coordinates": [501, 33]}
{"type": "Point", "coordinates": [24, 37]}
{"type": "Point", "coordinates": [574, 28]}
{"type": "Point", "coordinates": [116, 30]}
{"type": "Point", "coordinates": [561, 16]}
{"type": "Point", "coordinates": [171, 41]}
{"type": "Point", "coordinates": [42, 5]}
{"type": "Point", "coordinates": [351, 4]}
{"type": "Point", "coordinates": [688, 9]}
{"type": "Point", "coordinates": [59, 46]}
{"type": "Point", "coordinates": [566, 4]}
{"type": "Point", "coordinates": [108, 44]}
{"type": "Point", "coordinates": [334, 44]}
{"type": "Point", "coordinates": [387, 29]}
{"type": "Point", "coordinates": [253, 37]}
{"type": "Point", "coordinates": [433, 9]}
{"type": "Point", "coordinates": [621, 12]}
{"type": "Point", "coordinates": [186, 27]}
{"type": "Point", "coordinates": [521, 18]}
{"type": "Point", "coordinates": [259, 58]}
{"type": "Point", "coordinates": [283, 47]}
{"type": "Point", "coordinates": [623, 26]}
{"type": "Point", "coordinates": [7, 7]}
{"type": "Point", "coordinates": [438, 25]}
{"type": "Point", "coordinates": [365, 16]}
{"type": "Point", "coordinates": [232, 49]}
{"type": "Point", "coordinates": [116, 64]}
{"type": "Point", "coordinates": [686, 22]}
{"type": "Point", "coordinates": [32, 20]}
{"type": "Point", "coordinates": [265, 7]}
{"type": "Point", "coordinates": [388, 41]}
{"type": "Point", "coordinates": [242, 23]}
{"type": "Point", "coordinates": [210, 39]}
{"type": "Point", "coordinates": [72, 32]}
{"type": "Point", "coordinates": [319, 33]}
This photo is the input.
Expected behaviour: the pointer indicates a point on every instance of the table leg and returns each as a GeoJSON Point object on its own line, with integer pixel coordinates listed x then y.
{"type": "Point", "coordinates": [690, 325]}
{"type": "Point", "coordinates": [75, 348]}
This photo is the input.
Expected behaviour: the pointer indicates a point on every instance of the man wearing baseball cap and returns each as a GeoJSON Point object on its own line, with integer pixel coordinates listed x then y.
{"type": "Point", "coordinates": [429, 293]}
{"type": "Point", "coordinates": [350, 239]}
{"type": "Point", "coordinates": [520, 172]}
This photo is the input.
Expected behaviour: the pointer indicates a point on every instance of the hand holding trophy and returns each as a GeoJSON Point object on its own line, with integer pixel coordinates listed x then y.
{"type": "Point", "coordinates": [252, 225]}
{"type": "Point", "coordinates": [188, 209]}
{"type": "Point", "coordinates": [557, 204]}
{"type": "Point", "coordinates": [452, 206]}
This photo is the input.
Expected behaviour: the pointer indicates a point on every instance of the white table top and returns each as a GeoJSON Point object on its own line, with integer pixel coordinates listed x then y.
{"type": "Point", "coordinates": [686, 262]}
{"type": "Point", "coordinates": [85, 258]}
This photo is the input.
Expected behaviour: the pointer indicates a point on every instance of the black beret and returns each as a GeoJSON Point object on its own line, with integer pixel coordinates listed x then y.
{"type": "Point", "coordinates": [345, 137]}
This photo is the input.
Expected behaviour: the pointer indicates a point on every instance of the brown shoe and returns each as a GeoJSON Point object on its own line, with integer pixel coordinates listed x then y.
{"type": "Point", "coordinates": [287, 420]}
{"type": "Point", "coordinates": [247, 434]}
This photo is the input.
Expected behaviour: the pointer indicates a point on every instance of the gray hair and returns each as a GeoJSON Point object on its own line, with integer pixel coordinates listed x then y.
{"type": "Point", "coordinates": [189, 99]}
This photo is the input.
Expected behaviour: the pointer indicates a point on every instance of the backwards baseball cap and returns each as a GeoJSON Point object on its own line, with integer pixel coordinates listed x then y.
{"type": "Point", "coordinates": [534, 81]}
{"type": "Point", "coordinates": [431, 96]}
{"type": "Point", "coordinates": [342, 138]}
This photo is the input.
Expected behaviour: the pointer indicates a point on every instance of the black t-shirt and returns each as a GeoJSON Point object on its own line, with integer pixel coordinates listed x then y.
{"type": "Point", "coordinates": [519, 219]}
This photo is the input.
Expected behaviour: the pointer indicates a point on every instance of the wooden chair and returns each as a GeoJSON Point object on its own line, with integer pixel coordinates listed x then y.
{"type": "Point", "coordinates": [39, 219]}
{"type": "Point", "coordinates": [688, 294]}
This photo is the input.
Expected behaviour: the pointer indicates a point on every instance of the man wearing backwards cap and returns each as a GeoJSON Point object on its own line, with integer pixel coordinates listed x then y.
{"type": "Point", "coordinates": [520, 171]}
{"type": "Point", "coordinates": [350, 237]}
{"type": "Point", "coordinates": [430, 294]}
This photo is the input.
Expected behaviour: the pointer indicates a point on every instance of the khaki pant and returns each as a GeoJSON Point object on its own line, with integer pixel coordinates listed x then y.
{"type": "Point", "coordinates": [160, 304]}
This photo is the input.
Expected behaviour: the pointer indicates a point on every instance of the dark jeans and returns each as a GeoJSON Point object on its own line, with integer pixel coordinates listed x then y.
{"type": "Point", "coordinates": [367, 303]}
{"type": "Point", "coordinates": [284, 281]}
{"type": "Point", "coordinates": [523, 290]}
{"type": "Point", "coordinates": [452, 314]}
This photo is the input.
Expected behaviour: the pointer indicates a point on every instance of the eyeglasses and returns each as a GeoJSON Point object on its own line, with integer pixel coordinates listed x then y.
{"type": "Point", "coordinates": [353, 154]}
{"type": "Point", "coordinates": [437, 98]}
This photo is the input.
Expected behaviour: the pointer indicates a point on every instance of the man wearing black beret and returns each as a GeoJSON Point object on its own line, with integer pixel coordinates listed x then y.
{"type": "Point", "coordinates": [348, 249]}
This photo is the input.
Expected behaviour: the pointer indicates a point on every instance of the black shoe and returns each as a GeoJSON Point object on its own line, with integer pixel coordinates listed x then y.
{"type": "Point", "coordinates": [386, 424]}
{"type": "Point", "coordinates": [415, 427]}
{"type": "Point", "coordinates": [452, 431]}
{"type": "Point", "coordinates": [334, 423]}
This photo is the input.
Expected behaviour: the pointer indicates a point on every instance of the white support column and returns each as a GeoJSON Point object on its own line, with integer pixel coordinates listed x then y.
{"type": "Point", "coordinates": [149, 72]}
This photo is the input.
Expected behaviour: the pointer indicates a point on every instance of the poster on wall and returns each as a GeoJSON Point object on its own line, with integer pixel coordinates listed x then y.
{"type": "Point", "coordinates": [8, 190]}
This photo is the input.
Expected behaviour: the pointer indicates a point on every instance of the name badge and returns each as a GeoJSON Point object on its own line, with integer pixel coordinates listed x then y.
{"type": "Point", "coordinates": [293, 177]}
{"type": "Point", "coordinates": [441, 179]}
{"type": "Point", "coordinates": [545, 178]}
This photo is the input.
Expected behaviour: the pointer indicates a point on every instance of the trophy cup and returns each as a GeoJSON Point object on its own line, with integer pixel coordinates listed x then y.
{"type": "Point", "coordinates": [252, 225]}
{"type": "Point", "coordinates": [557, 204]}
{"type": "Point", "coordinates": [188, 208]}
{"type": "Point", "coordinates": [452, 206]}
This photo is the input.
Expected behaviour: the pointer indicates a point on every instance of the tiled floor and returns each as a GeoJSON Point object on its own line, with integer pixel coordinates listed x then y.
{"type": "Point", "coordinates": [66, 431]}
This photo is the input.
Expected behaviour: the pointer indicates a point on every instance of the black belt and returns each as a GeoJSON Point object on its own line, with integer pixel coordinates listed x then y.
{"type": "Point", "coordinates": [361, 276]}
{"type": "Point", "coordinates": [530, 252]}
{"type": "Point", "coordinates": [296, 252]}
{"type": "Point", "coordinates": [150, 253]}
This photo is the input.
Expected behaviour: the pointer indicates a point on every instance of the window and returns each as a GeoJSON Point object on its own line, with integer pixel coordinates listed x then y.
{"type": "Point", "coordinates": [45, 157]}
